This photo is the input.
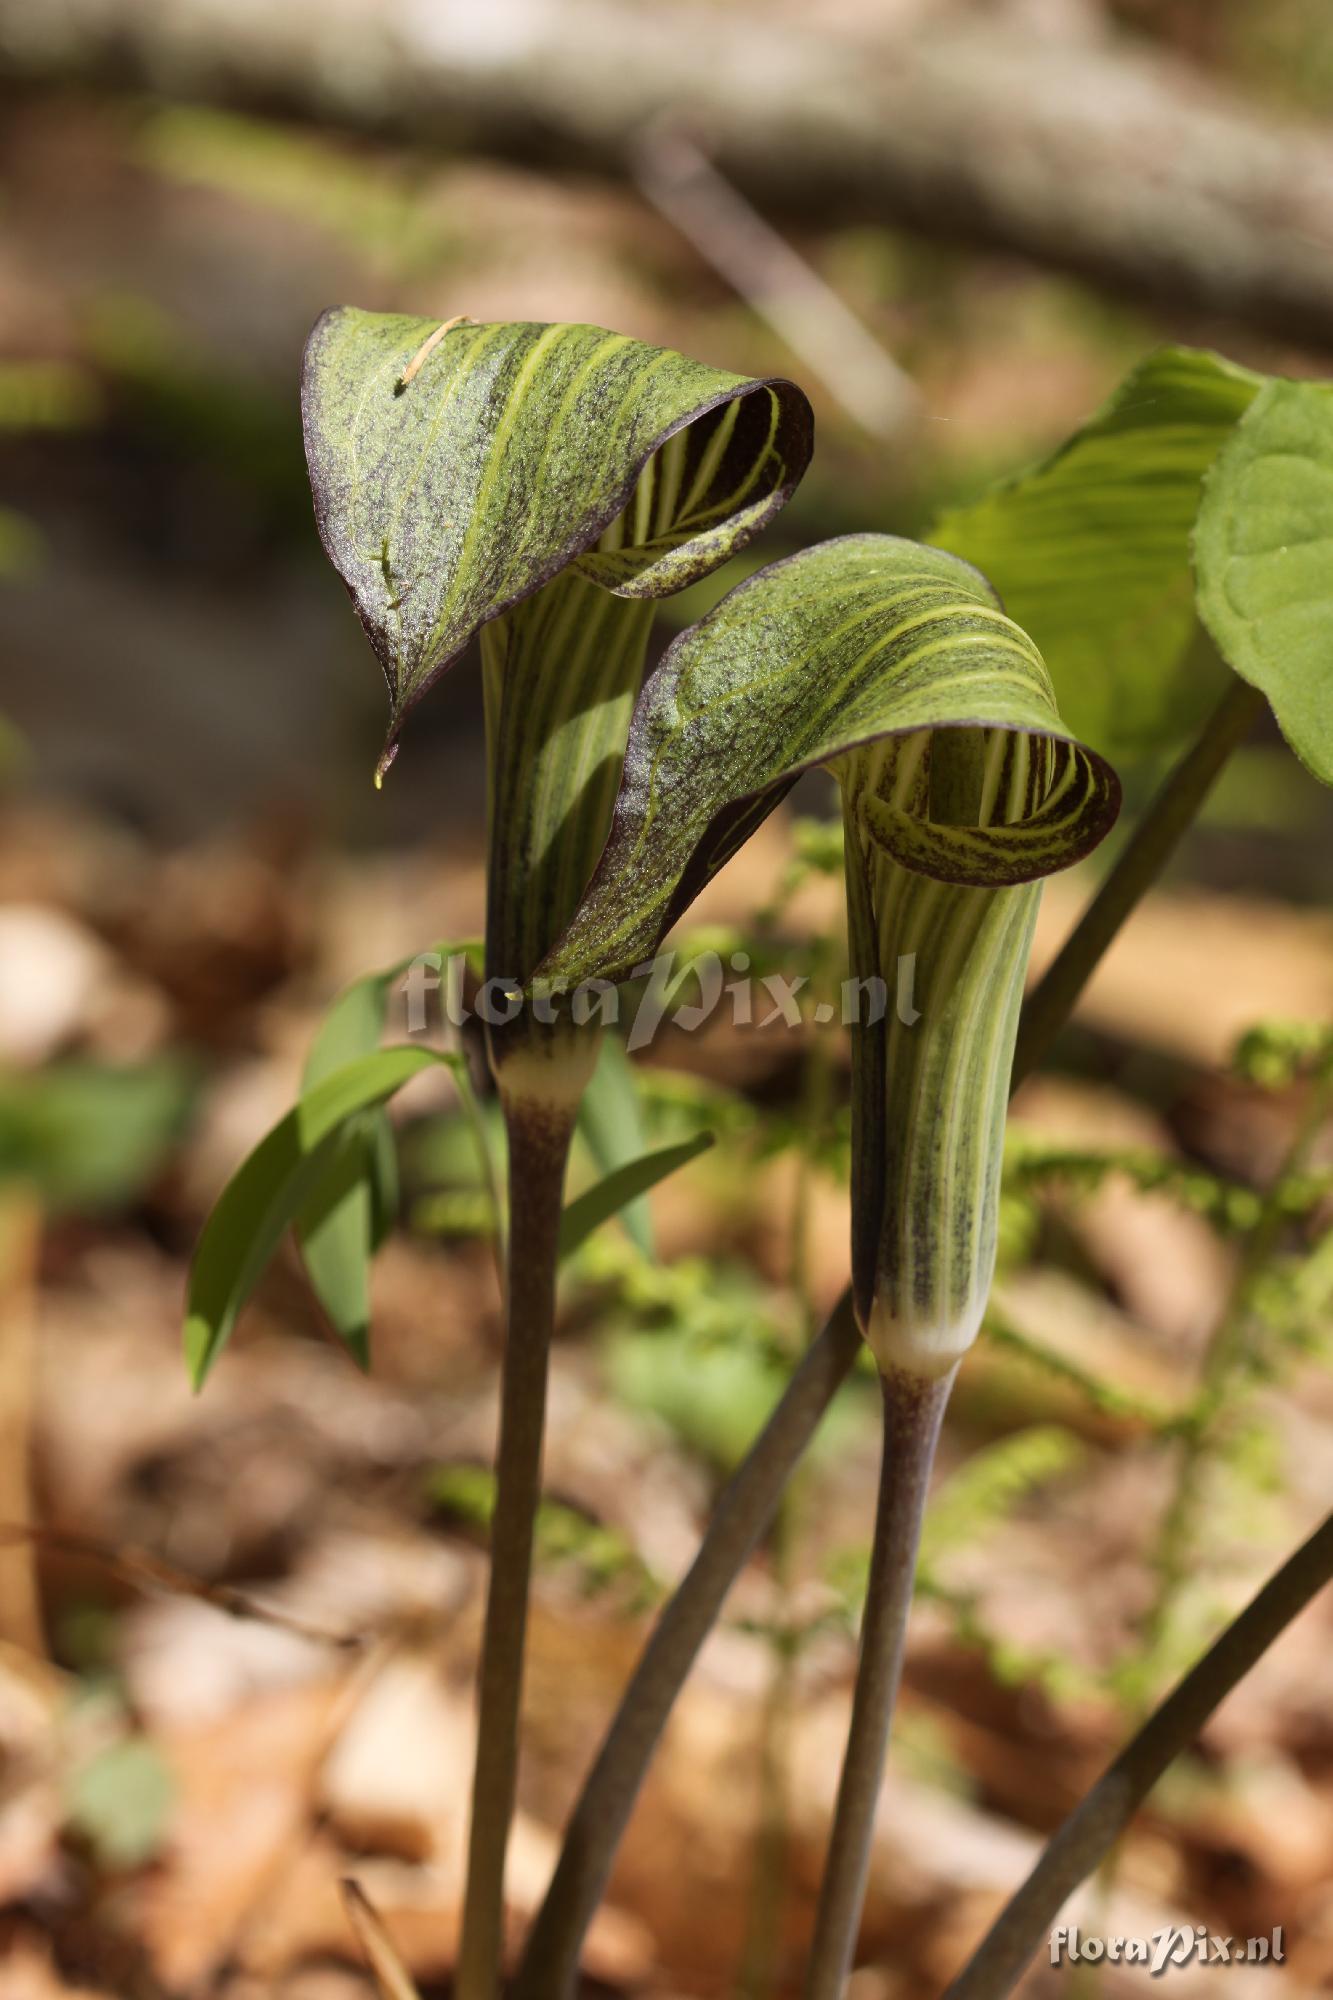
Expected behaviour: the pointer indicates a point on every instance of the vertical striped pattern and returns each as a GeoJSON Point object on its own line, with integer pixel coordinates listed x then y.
{"type": "Point", "coordinates": [930, 1094]}
{"type": "Point", "coordinates": [562, 672]}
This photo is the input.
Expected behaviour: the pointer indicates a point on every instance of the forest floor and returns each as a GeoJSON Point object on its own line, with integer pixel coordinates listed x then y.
{"type": "Point", "coordinates": [239, 1642]}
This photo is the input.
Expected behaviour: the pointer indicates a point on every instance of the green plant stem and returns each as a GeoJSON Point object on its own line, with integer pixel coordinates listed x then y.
{"type": "Point", "coordinates": [1166, 819]}
{"type": "Point", "coordinates": [743, 1514]}
{"type": "Point", "coordinates": [749, 1502]}
{"type": "Point", "coordinates": [913, 1412]}
{"type": "Point", "coordinates": [539, 1138]}
{"type": "Point", "coordinates": [1094, 1825]}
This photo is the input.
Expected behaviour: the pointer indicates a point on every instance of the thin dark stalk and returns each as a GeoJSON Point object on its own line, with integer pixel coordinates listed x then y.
{"type": "Point", "coordinates": [748, 1504]}
{"type": "Point", "coordinates": [741, 1517]}
{"type": "Point", "coordinates": [757, 1975]}
{"type": "Point", "coordinates": [1097, 1823]}
{"type": "Point", "coordinates": [539, 1139]}
{"type": "Point", "coordinates": [1145, 854]}
{"type": "Point", "coordinates": [913, 1412]}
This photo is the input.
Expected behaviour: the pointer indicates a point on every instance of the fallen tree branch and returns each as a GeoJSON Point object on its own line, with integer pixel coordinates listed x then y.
{"type": "Point", "coordinates": [1117, 163]}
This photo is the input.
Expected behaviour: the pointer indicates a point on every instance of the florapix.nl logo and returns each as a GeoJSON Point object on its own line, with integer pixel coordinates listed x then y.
{"type": "Point", "coordinates": [1172, 1946]}
{"type": "Point", "coordinates": [680, 989]}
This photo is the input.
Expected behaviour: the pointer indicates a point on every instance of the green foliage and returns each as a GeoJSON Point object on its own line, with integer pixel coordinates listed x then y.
{"type": "Point", "coordinates": [344, 1183]}
{"type": "Point", "coordinates": [296, 174]}
{"type": "Point", "coordinates": [628, 1183]}
{"type": "Point", "coordinates": [1090, 550]}
{"type": "Point", "coordinates": [1032, 1163]}
{"type": "Point", "coordinates": [715, 1394]}
{"type": "Point", "coordinates": [1193, 459]}
{"type": "Point", "coordinates": [1105, 1397]}
{"type": "Point", "coordinates": [1277, 1053]}
{"type": "Point", "coordinates": [1261, 553]}
{"type": "Point", "coordinates": [89, 1136]}
{"type": "Point", "coordinates": [274, 1186]}
{"type": "Point", "coordinates": [351, 1211]}
{"type": "Point", "coordinates": [694, 1343]}
{"type": "Point", "coordinates": [987, 1490]}
{"type": "Point", "coordinates": [45, 396]}
{"type": "Point", "coordinates": [120, 1802]}
{"type": "Point", "coordinates": [992, 1485]}
{"type": "Point", "coordinates": [610, 1126]}
{"type": "Point", "coordinates": [598, 1556]}
{"type": "Point", "coordinates": [817, 853]}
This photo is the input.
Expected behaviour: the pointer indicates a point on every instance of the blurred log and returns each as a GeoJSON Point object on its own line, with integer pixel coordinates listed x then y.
{"type": "Point", "coordinates": [1114, 162]}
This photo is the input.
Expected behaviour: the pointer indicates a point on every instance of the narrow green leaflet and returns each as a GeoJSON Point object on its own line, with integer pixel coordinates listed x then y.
{"type": "Point", "coordinates": [457, 469]}
{"type": "Point", "coordinates": [611, 1127]}
{"type": "Point", "coordinates": [351, 1210]}
{"type": "Point", "coordinates": [627, 1184]}
{"type": "Point", "coordinates": [272, 1187]}
{"type": "Point", "coordinates": [857, 640]}
{"type": "Point", "coordinates": [1263, 555]}
{"type": "Point", "coordinates": [1089, 550]}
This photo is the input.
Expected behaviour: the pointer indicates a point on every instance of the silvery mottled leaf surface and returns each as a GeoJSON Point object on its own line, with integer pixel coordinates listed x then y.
{"type": "Point", "coordinates": [515, 451]}
{"type": "Point", "coordinates": [853, 641]}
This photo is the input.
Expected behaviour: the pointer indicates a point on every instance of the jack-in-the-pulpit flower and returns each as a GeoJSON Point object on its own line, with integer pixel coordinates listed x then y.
{"type": "Point", "coordinates": [931, 1079]}
{"type": "Point", "coordinates": [895, 667]}
{"type": "Point", "coordinates": [539, 485]}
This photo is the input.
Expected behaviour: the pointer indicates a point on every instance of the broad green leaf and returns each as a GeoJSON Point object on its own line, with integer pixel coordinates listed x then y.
{"type": "Point", "coordinates": [352, 1026]}
{"type": "Point", "coordinates": [1263, 554]}
{"type": "Point", "coordinates": [349, 1213]}
{"type": "Point", "coordinates": [456, 470]}
{"type": "Point", "coordinates": [611, 1127]}
{"type": "Point", "coordinates": [1089, 550]}
{"type": "Point", "coordinates": [271, 1188]}
{"type": "Point", "coordinates": [626, 1184]}
{"type": "Point", "coordinates": [861, 639]}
